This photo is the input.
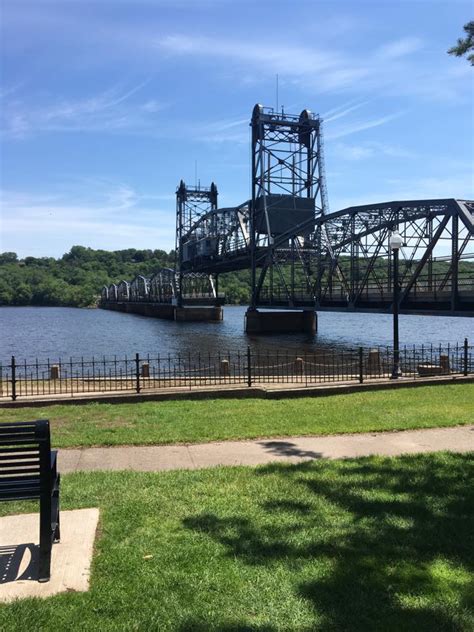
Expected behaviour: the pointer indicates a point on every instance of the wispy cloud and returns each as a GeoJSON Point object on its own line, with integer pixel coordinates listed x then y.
{"type": "Point", "coordinates": [369, 149]}
{"type": "Point", "coordinates": [224, 131]}
{"type": "Point", "coordinates": [395, 69]}
{"type": "Point", "coordinates": [459, 185]}
{"type": "Point", "coordinates": [286, 59]}
{"type": "Point", "coordinates": [399, 48]}
{"type": "Point", "coordinates": [107, 111]}
{"type": "Point", "coordinates": [337, 113]}
{"type": "Point", "coordinates": [8, 91]}
{"type": "Point", "coordinates": [360, 126]}
{"type": "Point", "coordinates": [115, 217]}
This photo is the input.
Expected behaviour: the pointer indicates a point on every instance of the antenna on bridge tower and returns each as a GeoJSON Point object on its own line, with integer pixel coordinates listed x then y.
{"type": "Point", "coordinates": [276, 109]}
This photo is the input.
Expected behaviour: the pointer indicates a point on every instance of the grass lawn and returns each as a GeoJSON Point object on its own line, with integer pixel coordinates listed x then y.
{"type": "Point", "coordinates": [144, 423]}
{"type": "Point", "coordinates": [364, 544]}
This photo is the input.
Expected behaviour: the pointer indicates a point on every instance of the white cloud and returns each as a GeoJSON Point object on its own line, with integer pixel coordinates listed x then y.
{"type": "Point", "coordinates": [285, 59]}
{"type": "Point", "coordinates": [459, 186]}
{"type": "Point", "coordinates": [111, 218]}
{"type": "Point", "coordinates": [360, 126]}
{"type": "Point", "coordinates": [369, 149]}
{"type": "Point", "coordinates": [394, 69]}
{"type": "Point", "coordinates": [107, 111]}
{"type": "Point", "coordinates": [152, 106]}
{"type": "Point", "coordinates": [337, 113]}
{"type": "Point", "coordinates": [399, 48]}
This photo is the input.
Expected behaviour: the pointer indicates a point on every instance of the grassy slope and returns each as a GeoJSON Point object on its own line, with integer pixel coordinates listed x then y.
{"type": "Point", "coordinates": [363, 544]}
{"type": "Point", "coordinates": [212, 420]}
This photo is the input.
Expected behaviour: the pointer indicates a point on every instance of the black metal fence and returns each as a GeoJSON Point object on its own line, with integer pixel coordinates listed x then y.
{"type": "Point", "coordinates": [24, 379]}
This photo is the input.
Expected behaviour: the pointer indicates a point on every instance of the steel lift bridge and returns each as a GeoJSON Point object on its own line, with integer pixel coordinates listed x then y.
{"type": "Point", "coordinates": [303, 258]}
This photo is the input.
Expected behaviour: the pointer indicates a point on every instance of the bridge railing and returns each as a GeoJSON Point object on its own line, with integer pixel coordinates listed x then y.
{"type": "Point", "coordinates": [436, 287]}
{"type": "Point", "coordinates": [43, 379]}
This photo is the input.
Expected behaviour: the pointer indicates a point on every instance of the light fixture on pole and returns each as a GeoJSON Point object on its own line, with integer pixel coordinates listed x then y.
{"type": "Point", "coordinates": [395, 243]}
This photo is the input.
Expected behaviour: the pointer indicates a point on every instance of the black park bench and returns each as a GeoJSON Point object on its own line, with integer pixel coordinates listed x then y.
{"type": "Point", "coordinates": [28, 471]}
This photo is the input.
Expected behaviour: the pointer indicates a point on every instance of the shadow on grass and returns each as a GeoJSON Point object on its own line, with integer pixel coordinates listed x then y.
{"type": "Point", "coordinates": [196, 626]}
{"type": "Point", "coordinates": [394, 540]}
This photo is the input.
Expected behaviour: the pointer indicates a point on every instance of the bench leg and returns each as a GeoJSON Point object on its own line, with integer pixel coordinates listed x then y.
{"type": "Point", "coordinates": [56, 512]}
{"type": "Point", "coordinates": [44, 574]}
{"type": "Point", "coordinates": [45, 538]}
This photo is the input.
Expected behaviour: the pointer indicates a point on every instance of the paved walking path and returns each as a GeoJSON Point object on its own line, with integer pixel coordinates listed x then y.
{"type": "Point", "coordinates": [261, 451]}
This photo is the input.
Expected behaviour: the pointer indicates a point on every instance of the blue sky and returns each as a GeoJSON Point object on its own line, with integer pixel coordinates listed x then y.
{"type": "Point", "coordinates": [106, 105]}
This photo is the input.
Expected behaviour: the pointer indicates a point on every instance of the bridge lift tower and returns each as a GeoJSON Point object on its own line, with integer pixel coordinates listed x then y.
{"type": "Point", "coordinates": [288, 195]}
{"type": "Point", "coordinates": [192, 204]}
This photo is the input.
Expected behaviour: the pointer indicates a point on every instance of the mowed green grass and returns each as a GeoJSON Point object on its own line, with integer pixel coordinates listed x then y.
{"type": "Point", "coordinates": [145, 423]}
{"type": "Point", "coordinates": [363, 544]}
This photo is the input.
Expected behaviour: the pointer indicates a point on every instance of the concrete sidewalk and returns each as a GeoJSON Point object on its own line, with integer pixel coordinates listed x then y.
{"type": "Point", "coordinates": [261, 451]}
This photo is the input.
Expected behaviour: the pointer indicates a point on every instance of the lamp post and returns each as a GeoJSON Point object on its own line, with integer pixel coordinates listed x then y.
{"type": "Point", "coordinates": [395, 243]}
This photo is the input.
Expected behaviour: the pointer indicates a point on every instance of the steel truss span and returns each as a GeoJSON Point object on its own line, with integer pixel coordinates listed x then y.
{"type": "Point", "coordinates": [164, 288]}
{"type": "Point", "coordinates": [302, 256]}
{"type": "Point", "coordinates": [344, 262]}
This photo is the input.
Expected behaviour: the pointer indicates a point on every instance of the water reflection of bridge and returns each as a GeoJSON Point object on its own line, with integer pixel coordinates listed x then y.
{"type": "Point", "coordinates": [302, 257]}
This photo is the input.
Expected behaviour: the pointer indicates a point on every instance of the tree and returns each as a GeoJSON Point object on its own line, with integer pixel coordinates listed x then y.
{"type": "Point", "coordinates": [465, 45]}
{"type": "Point", "coordinates": [8, 257]}
{"type": "Point", "coordinates": [23, 294]}
{"type": "Point", "coordinates": [6, 293]}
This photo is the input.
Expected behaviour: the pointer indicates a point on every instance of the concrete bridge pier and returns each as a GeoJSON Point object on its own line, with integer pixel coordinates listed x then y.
{"type": "Point", "coordinates": [168, 311]}
{"type": "Point", "coordinates": [198, 314]}
{"type": "Point", "coordinates": [279, 322]}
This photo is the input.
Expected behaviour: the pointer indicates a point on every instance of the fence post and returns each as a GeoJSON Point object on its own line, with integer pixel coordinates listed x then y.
{"type": "Point", "coordinates": [466, 349]}
{"type": "Point", "coordinates": [361, 365]}
{"type": "Point", "coordinates": [137, 372]}
{"type": "Point", "coordinates": [249, 368]}
{"type": "Point", "coordinates": [13, 368]}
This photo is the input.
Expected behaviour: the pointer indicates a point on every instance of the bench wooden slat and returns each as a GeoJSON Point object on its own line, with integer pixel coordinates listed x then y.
{"type": "Point", "coordinates": [26, 484]}
{"type": "Point", "coordinates": [6, 480]}
{"type": "Point", "coordinates": [21, 495]}
{"type": "Point", "coordinates": [5, 465]}
{"type": "Point", "coordinates": [31, 492]}
{"type": "Point", "coordinates": [22, 459]}
{"type": "Point", "coordinates": [20, 424]}
{"type": "Point", "coordinates": [13, 432]}
{"type": "Point", "coordinates": [15, 441]}
{"type": "Point", "coordinates": [26, 426]}
{"type": "Point", "coordinates": [21, 470]}
{"type": "Point", "coordinates": [25, 448]}
{"type": "Point", "coordinates": [31, 486]}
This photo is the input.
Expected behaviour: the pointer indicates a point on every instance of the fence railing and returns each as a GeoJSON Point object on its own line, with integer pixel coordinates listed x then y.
{"type": "Point", "coordinates": [141, 373]}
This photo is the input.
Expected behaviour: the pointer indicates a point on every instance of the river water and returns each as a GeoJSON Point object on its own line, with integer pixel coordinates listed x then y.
{"type": "Point", "coordinates": [62, 332]}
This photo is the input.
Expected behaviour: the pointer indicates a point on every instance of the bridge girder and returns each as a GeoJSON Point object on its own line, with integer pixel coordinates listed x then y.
{"type": "Point", "coordinates": [345, 260]}
{"type": "Point", "coordinates": [302, 256]}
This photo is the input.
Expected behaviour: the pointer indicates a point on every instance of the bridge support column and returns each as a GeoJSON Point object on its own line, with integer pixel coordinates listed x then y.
{"type": "Point", "coordinates": [279, 322]}
{"type": "Point", "coordinates": [197, 314]}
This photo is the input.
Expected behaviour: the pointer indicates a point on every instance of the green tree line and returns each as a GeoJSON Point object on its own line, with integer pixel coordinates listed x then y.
{"type": "Point", "coordinates": [77, 277]}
